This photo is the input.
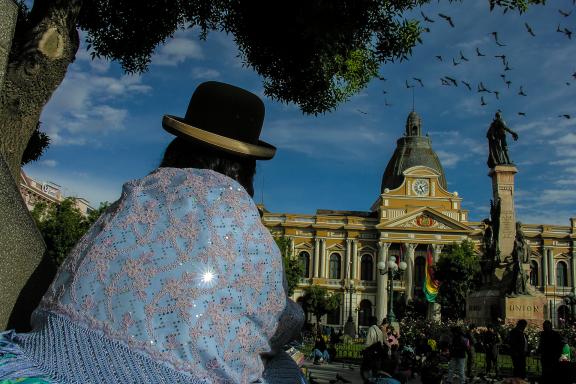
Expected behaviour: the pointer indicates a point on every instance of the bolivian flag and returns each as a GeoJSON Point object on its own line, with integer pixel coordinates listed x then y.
{"type": "Point", "coordinates": [430, 284]}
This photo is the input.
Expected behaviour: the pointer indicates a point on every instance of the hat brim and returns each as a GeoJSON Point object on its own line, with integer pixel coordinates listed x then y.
{"type": "Point", "coordinates": [177, 126]}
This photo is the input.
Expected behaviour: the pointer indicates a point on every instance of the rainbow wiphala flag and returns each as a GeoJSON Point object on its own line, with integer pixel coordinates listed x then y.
{"type": "Point", "coordinates": [430, 284]}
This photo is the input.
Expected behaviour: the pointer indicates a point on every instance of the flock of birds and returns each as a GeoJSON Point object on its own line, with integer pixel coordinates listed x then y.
{"type": "Point", "coordinates": [485, 93]}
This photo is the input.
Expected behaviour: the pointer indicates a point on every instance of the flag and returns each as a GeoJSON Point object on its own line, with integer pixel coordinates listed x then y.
{"type": "Point", "coordinates": [430, 284]}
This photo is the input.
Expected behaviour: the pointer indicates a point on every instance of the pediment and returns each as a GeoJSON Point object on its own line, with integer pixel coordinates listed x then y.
{"type": "Point", "coordinates": [336, 247]}
{"type": "Point", "coordinates": [421, 171]}
{"type": "Point", "coordinates": [425, 219]}
{"type": "Point", "coordinates": [303, 246]}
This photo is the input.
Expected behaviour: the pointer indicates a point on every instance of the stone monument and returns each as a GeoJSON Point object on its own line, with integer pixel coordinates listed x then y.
{"type": "Point", "coordinates": [505, 294]}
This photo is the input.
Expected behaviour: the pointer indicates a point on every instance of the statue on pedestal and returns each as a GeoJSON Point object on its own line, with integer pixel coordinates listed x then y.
{"type": "Point", "coordinates": [498, 148]}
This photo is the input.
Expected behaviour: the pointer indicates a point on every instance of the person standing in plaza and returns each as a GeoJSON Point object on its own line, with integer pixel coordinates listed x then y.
{"type": "Point", "coordinates": [470, 351]}
{"type": "Point", "coordinates": [550, 349]}
{"type": "Point", "coordinates": [458, 349]}
{"type": "Point", "coordinates": [491, 341]}
{"type": "Point", "coordinates": [518, 343]}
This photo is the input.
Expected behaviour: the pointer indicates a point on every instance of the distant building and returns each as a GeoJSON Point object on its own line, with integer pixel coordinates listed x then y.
{"type": "Point", "coordinates": [34, 191]}
{"type": "Point", "coordinates": [414, 214]}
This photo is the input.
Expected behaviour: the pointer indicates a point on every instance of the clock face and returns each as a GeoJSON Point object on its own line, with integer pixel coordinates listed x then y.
{"type": "Point", "coordinates": [420, 187]}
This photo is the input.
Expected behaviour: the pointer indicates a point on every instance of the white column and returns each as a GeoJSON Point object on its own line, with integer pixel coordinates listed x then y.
{"type": "Point", "coordinates": [292, 247]}
{"type": "Point", "coordinates": [354, 259]}
{"type": "Point", "coordinates": [323, 262]}
{"type": "Point", "coordinates": [573, 264]}
{"type": "Point", "coordinates": [382, 283]}
{"type": "Point", "coordinates": [544, 263]}
{"type": "Point", "coordinates": [551, 266]}
{"type": "Point", "coordinates": [347, 259]}
{"type": "Point", "coordinates": [316, 256]}
{"type": "Point", "coordinates": [410, 248]}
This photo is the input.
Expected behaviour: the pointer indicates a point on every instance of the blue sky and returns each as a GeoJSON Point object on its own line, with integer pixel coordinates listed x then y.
{"type": "Point", "coordinates": [106, 126]}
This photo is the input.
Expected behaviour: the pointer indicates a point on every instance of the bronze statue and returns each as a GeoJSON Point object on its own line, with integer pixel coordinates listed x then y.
{"type": "Point", "coordinates": [520, 256]}
{"type": "Point", "coordinates": [495, 227]}
{"type": "Point", "coordinates": [487, 262]}
{"type": "Point", "coordinates": [498, 148]}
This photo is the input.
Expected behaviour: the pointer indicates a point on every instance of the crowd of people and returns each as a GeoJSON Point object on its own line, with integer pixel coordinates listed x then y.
{"type": "Point", "coordinates": [386, 358]}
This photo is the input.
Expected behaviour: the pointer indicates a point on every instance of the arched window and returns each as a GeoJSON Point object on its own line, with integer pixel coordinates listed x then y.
{"type": "Point", "coordinates": [305, 263]}
{"type": "Point", "coordinates": [335, 266]}
{"type": "Point", "coordinates": [333, 317]}
{"type": "Point", "coordinates": [366, 267]}
{"type": "Point", "coordinates": [419, 272]}
{"type": "Point", "coordinates": [534, 273]}
{"type": "Point", "coordinates": [563, 315]}
{"type": "Point", "coordinates": [561, 274]}
{"type": "Point", "coordinates": [364, 312]}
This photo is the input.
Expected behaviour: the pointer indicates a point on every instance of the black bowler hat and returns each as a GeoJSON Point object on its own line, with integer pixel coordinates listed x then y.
{"type": "Point", "coordinates": [224, 117]}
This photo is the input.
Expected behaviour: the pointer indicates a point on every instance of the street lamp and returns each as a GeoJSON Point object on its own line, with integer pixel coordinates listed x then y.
{"type": "Point", "coordinates": [350, 328]}
{"type": "Point", "coordinates": [394, 270]}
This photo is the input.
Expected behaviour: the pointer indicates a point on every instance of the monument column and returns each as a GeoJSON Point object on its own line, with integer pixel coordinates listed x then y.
{"type": "Point", "coordinates": [551, 266]}
{"type": "Point", "coordinates": [503, 191]}
{"type": "Point", "coordinates": [291, 247]}
{"type": "Point", "coordinates": [409, 291]}
{"type": "Point", "coordinates": [382, 282]}
{"type": "Point", "coordinates": [316, 256]}
{"type": "Point", "coordinates": [354, 259]}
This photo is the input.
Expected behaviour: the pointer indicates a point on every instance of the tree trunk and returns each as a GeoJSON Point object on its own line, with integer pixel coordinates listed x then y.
{"type": "Point", "coordinates": [44, 44]}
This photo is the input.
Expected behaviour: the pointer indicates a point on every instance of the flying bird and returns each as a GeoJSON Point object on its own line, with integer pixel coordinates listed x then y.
{"type": "Point", "coordinates": [386, 103]}
{"type": "Point", "coordinates": [529, 29]}
{"type": "Point", "coordinates": [426, 18]}
{"type": "Point", "coordinates": [419, 81]}
{"type": "Point", "coordinates": [478, 53]}
{"type": "Point", "coordinates": [362, 112]}
{"type": "Point", "coordinates": [497, 94]}
{"type": "Point", "coordinates": [462, 57]}
{"type": "Point", "coordinates": [382, 78]}
{"type": "Point", "coordinates": [444, 81]}
{"type": "Point", "coordinates": [495, 34]}
{"type": "Point", "coordinates": [439, 57]}
{"type": "Point", "coordinates": [453, 81]}
{"type": "Point", "coordinates": [507, 67]}
{"type": "Point", "coordinates": [558, 28]}
{"type": "Point", "coordinates": [521, 113]}
{"type": "Point", "coordinates": [567, 32]}
{"type": "Point", "coordinates": [503, 57]}
{"type": "Point", "coordinates": [482, 102]}
{"type": "Point", "coordinates": [564, 13]}
{"type": "Point", "coordinates": [454, 62]}
{"type": "Point", "coordinates": [521, 92]}
{"type": "Point", "coordinates": [565, 116]}
{"type": "Point", "coordinates": [408, 85]}
{"type": "Point", "coordinates": [574, 75]}
{"type": "Point", "coordinates": [447, 18]}
{"type": "Point", "coordinates": [466, 84]}
{"type": "Point", "coordinates": [482, 88]}
{"type": "Point", "coordinates": [508, 82]}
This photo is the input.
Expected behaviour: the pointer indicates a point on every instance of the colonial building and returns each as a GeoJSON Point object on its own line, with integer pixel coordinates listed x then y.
{"type": "Point", "coordinates": [415, 213]}
{"type": "Point", "coordinates": [33, 192]}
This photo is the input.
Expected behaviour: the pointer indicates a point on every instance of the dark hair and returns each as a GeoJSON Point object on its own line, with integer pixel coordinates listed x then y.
{"type": "Point", "coordinates": [521, 323]}
{"type": "Point", "coordinates": [181, 153]}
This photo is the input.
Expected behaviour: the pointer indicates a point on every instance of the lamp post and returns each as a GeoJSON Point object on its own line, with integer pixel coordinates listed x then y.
{"type": "Point", "coordinates": [394, 270]}
{"type": "Point", "coordinates": [350, 328]}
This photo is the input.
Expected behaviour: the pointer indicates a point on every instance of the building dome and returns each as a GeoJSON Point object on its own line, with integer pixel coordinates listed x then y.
{"type": "Point", "coordinates": [411, 150]}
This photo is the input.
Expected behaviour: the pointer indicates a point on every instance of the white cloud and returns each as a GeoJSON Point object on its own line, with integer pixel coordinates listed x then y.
{"type": "Point", "coordinates": [205, 73]}
{"type": "Point", "coordinates": [448, 159]}
{"type": "Point", "coordinates": [569, 139]}
{"type": "Point", "coordinates": [48, 163]}
{"type": "Point", "coordinates": [176, 51]}
{"type": "Point", "coordinates": [89, 103]}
